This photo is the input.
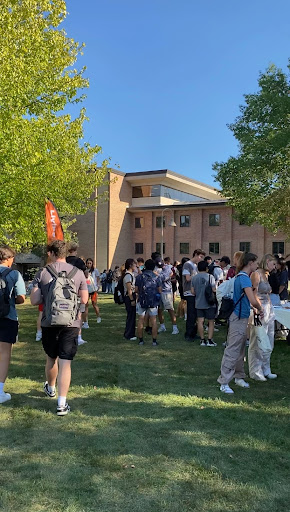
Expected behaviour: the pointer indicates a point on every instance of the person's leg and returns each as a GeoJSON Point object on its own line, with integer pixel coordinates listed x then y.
{"type": "Point", "coordinates": [140, 326]}
{"type": "Point", "coordinates": [233, 362]}
{"type": "Point", "coordinates": [51, 371]}
{"type": "Point", "coordinates": [160, 315]}
{"type": "Point", "coordinates": [96, 308]}
{"type": "Point", "coordinates": [191, 328]}
{"type": "Point", "coordinates": [131, 319]}
{"type": "Point", "coordinates": [86, 313]}
{"type": "Point", "coordinates": [64, 377]}
{"type": "Point", "coordinates": [200, 328]}
{"type": "Point", "coordinates": [153, 320]}
{"type": "Point", "coordinates": [269, 325]}
{"type": "Point", "coordinates": [210, 329]}
{"type": "Point", "coordinates": [5, 357]}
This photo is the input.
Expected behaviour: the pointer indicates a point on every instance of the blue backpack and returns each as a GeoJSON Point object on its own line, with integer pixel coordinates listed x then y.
{"type": "Point", "coordinates": [148, 292]}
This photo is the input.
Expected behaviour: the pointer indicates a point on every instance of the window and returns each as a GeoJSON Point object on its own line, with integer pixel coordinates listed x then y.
{"type": "Point", "coordinates": [139, 222]}
{"type": "Point", "coordinates": [138, 248]}
{"type": "Point", "coordinates": [245, 246]}
{"type": "Point", "coordinates": [158, 248]}
{"type": "Point", "coordinates": [214, 219]}
{"type": "Point", "coordinates": [278, 248]}
{"type": "Point", "coordinates": [184, 221]}
{"type": "Point", "coordinates": [184, 248]}
{"type": "Point", "coordinates": [158, 222]}
{"type": "Point", "coordinates": [162, 191]}
{"type": "Point", "coordinates": [214, 248]}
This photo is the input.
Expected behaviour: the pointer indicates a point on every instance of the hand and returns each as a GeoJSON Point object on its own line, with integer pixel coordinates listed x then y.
{"type": "Point", "coordinates": [261, 313]}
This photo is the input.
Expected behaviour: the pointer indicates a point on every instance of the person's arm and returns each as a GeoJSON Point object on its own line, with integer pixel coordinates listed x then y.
{"type": "Point", "coordinates": [19, 289]}
{"type": "Point", "coordinates": [137, 292]}
{"type": "Point", "coordinates": [84, 296]}
{"type": "Point", "coordinates": [36, 295]}
{"type": "Point", "coordinates": [254, 300]}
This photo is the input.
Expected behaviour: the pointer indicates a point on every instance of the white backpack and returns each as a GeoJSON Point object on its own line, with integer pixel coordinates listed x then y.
{"type": "Point", "coordinates": [225, 289]}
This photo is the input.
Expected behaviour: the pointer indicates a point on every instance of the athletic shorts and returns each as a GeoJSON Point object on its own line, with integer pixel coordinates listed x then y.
{"type": "Point", "coordinates": [60, 342]}
{"type": "Point", "coordinates": [8, 330]}
{"type": "Point", "coordinates": [142, 311]}
{"type": "Point", "coordinates": [167, 300]}
{"type": "Point", "coordinates": [93, 296]}
{"type": "Point", "coordinates": [209, 313]}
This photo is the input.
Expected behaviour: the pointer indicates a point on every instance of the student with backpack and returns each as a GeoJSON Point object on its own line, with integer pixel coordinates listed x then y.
{"type": "Point", "coordinates": [148, 293]}
{"type": "Point", "coordinates": [62, 288]}
{"type": "Point", "coordinates": [203, 287]}
{"type": "Point", "coordinates": [233, 360]}
{"type": "Point", "coordinates": [12, 291]}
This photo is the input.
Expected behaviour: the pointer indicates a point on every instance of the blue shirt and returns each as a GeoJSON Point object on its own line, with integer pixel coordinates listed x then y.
{"type": "Point", "coordinates": [242, 309]}
{"type": "Point", "coordinates": [16, 286]}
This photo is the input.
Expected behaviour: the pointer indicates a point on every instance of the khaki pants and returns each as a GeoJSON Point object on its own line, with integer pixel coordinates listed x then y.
{"type": "Point", "coordinates": [233, 360]}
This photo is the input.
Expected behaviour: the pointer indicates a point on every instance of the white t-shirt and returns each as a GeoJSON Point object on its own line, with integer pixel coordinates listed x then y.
{"type": "Point", "coordinates": [95, 275]}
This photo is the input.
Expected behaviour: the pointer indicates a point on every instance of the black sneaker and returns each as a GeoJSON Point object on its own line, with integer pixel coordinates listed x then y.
{"type": "Point", "coordinates": [154, 343]}
{"type": "Point", "coordinates": [211, 343]}
{"type": "Point", "coordinates": [51, 394]}
{"type": "Point", "coordinates": [62, 410]}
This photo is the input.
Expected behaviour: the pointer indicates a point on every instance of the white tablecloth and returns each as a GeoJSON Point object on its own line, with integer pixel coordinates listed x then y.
{"type": "Point", "coordinates": [282, 315]}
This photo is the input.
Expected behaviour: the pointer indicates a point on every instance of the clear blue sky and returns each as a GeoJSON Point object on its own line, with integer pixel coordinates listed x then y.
{"type": "Point", "coordinates": [166, 76]}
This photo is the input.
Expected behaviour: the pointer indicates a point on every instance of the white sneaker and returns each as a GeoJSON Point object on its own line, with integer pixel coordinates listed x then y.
{"type": "Point", "coordinates": [215, 329]}
{"type": "Point", "coordinates": [81, 342]}
{"type": "Point", "coordinates": [175, 330]}
{"type": "Point", "coordinates": [271, 376]}
{"type": "Point", "coordinates": [258, 376]}
{"type": "Point", "coordinates": [242, 383]}
{"type": "Point", "coordinates": [185, 316]}
{"type": "Point", "coordinates": [225, 388]}
{"type": "Point", "coordinates": [162, 328]}
{"type": "Point", "coordinates": [4, 397]}
{"type": "Point", "coordinates": [133, 338]}
{"type": "Point", "coordinates": [38, 336]}
{"type": "Point", "coordinates": [85, 325]}
{"type": "Point", "coordinates": [99, 320]}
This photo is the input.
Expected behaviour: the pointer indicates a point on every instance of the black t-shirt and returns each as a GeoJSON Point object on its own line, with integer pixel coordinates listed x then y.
{"type": "Point", "coordinates": [76, 262]}
{"type": "Point", "coordinates": [274, 282]}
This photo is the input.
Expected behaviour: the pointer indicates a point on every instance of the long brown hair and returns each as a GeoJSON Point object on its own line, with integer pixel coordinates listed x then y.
{"type": "Point", "coordinates": [244, 259]}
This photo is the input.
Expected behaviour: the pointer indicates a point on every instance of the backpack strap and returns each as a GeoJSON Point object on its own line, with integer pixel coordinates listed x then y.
{"type": "Point", "coordinates": [5, 272]}
{"type": "Point", "coordinates": [72, 273]}
{"type": "Point", "coordinates": [52, 271]}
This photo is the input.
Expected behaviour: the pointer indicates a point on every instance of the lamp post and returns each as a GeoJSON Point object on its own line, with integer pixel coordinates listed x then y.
{"type": "Point", "coordinates": [171, 223]}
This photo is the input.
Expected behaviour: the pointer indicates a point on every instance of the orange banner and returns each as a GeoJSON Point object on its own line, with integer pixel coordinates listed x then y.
{"type": "Point", "coordinates": [53, 225]}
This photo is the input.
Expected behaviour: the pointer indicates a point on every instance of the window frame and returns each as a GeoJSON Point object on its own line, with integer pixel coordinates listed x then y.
{"type": "Point", "coordinates": [136, 247]}
{"type": "Point", "coordinates": [214, 244]}
{"type": "Point", "coordinates": [210, 216]}
{"type": "Point", "coordinates": [184, 243]}
{"type": "Point", "coordinates": [141, 219]}
{"type": "Point", "coordinates": [184, 225]}
{"type": "Point", "coordinates": [278, 252]}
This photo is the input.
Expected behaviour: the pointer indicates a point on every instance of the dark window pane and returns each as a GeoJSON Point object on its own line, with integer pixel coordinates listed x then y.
{"type": "Point", "coordinates": [184, 248]}
{"type": "Point", "coordinates": [278, 247]}
{"type": "Point", "coordinates": [139, 222]}
{"type": "Point", "coordinates": [158, 222]}
{"type": "Point", "coordinates": [138, 248]}
{"type": "Point", "coordinates": [184, 221]}
{"type": "Point", "coordinates": [245, 246]}
{"type": "Point", "coordinates": [214, 248]}
{"type": "Point", "coordinates": [214, 219]}
{"type": "Point", "coordinates": [158, 247]}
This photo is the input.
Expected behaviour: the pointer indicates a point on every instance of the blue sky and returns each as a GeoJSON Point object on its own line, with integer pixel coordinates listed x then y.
{"type": "Point", "coordinates": [166, 76]}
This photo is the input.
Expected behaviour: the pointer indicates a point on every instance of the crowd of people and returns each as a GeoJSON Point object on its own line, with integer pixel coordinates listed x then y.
{"type": "Point", "coordinates": [63, 288]}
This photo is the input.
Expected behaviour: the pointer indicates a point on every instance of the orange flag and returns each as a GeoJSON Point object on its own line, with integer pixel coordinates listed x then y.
{"type": "Point", "coordinates": [53, 225]}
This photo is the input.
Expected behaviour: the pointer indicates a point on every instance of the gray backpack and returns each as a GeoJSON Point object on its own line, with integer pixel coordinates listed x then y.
{"type": "Point", "coordinates": [61, 305]}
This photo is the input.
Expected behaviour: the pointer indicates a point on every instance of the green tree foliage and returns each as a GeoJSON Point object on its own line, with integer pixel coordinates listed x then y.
{"type": "Point", "coordinates": [41, 149]}
{"type": "Point", "coordinates": [257, 181]}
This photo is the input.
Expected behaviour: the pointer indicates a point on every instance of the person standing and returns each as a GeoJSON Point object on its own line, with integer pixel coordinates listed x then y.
{"type": "Point", "coordinates": [93, 283]}
{"type": "Point", "coordinates": [167, 298]}
{"type": "Point", "coordinates": [60, 342]}
{"type": "Point", "coordinates": [73, 259]}
{"type": "Point", "coordinates": [259, 362]}
{"type": "Point", "coordinates": [232, 365]}
{"type": "Point", "coordinates": [148, 300]}
{"type": "Point", "coordinates": [204, 310]}
{"type": "Point", "coordinates": [189, 270]}
{"type": "Point", "coordinates": [130, 298]}
{"type": "Point", "coordinates": [12, 292]}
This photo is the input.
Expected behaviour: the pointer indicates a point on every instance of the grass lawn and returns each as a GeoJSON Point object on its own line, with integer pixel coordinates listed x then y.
{"type": "Point", "coordinates": [149, 429]}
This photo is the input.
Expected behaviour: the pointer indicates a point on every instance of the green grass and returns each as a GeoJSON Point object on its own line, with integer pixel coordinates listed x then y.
{"type": "Point", "coordinates": [156, 409]}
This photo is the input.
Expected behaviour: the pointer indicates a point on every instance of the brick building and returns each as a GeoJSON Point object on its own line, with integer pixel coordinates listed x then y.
{"type": "Point", "coordinates": [128, 222]}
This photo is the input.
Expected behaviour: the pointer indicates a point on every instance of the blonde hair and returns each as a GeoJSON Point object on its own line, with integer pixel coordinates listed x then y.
{"type": "Point", "coordinates": [263, 263]}
{"type": "Point", "coordinates": [237, 257]}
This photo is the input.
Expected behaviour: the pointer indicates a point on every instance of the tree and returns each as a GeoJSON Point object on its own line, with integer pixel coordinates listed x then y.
{"type": "Point", "coordinates": [257, 181]}
{"type": "Point", "coordinates": [41, 149]}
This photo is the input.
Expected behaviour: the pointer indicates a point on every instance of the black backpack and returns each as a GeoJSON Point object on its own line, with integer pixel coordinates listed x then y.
{"type": "Point", "coordinates": [119, 292]}
{"type": "Point", "coordinates": [209, 294]}
{"type": "Point", "coordinates": [4, 293]}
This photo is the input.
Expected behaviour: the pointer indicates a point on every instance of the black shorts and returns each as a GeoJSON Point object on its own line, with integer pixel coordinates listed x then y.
{"type": "Point", "coordinates": [60, 342]}
{"type": "Point", "coordinates": [208, 313]}
{"type": "Point", "coordinates": [8, 330]}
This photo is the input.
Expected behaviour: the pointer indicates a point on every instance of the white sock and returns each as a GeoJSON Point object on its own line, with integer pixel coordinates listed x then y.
{"type": "Point", "coordinates": [50, 388]}
{"type": "Point", "coordinates": [1, 387]}
{"type": "Point", "coordinates": [79, 337]}
{"type": "Point", "coordinates": [61, 401]}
